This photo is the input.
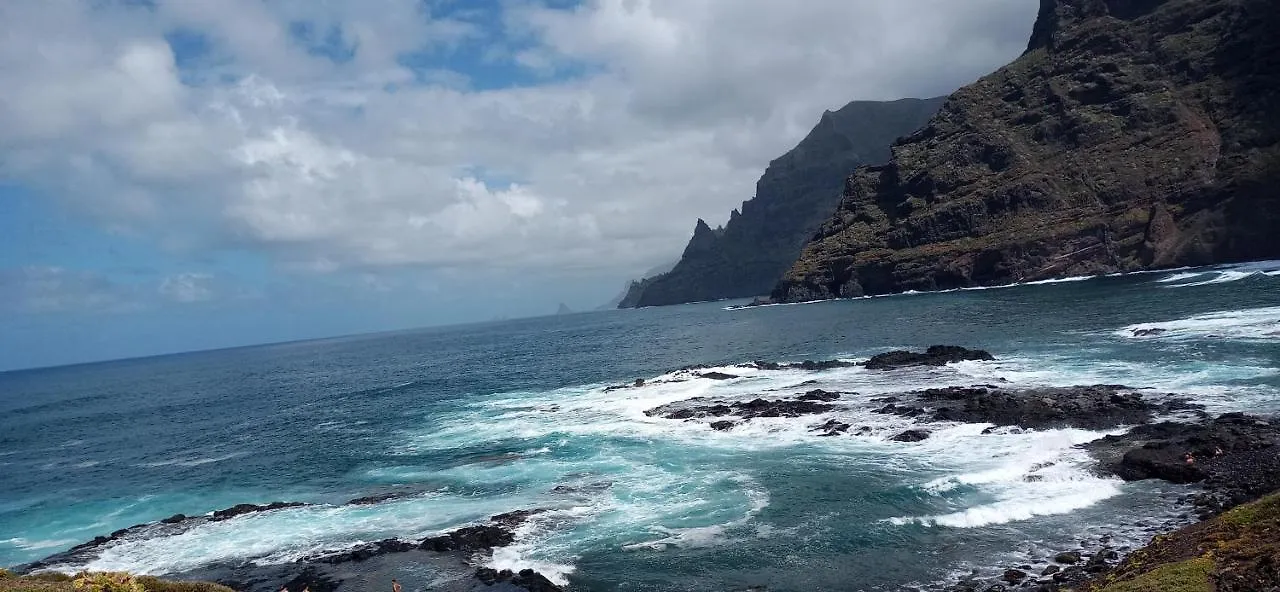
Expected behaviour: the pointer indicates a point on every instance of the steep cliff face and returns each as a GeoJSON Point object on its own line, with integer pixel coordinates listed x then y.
{"type": "Point", "coordinates": [796, 194]}
{"type": "Point", "coordinates": [1132, 134]}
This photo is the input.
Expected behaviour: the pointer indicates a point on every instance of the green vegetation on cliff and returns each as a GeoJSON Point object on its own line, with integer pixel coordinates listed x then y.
{"type": "Point", "coordinates": [1133, 134]}
{"type": "Point", "coordinates": [1236, 552]}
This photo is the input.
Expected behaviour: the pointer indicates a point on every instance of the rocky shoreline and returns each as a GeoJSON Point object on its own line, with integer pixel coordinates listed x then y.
{"type": "Point", "coordinates": [458, 553]}
{"type": "Point", "coordinates": [1228, 460]}
{"type": "Point", "coordinates": [1231, 459]}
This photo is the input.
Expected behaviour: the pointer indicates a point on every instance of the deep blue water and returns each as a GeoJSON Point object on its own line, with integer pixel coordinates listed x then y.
{"type": "Point", "coordinates": [481, 419]}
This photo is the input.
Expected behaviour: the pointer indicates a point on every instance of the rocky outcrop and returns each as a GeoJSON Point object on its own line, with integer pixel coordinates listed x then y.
{"type": "Point", "coordinates": [1236, 457]}
{"type": "Point", "coordinates": [1088, 407]}
{"type": "Point", "coordinates": [795, 195]}
{"type": "Point", "coordinates": [1132, 134]}
{"type": "Point", "coordinates": [744, 410]}
{"type": "Point", "coordinates": [937, 355]}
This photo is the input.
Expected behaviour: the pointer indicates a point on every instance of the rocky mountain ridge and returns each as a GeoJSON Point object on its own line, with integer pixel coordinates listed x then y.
{"type": "Point", "coordinates": [795, 195]}
{"type": "Point", "coordinates": [1132, 134]}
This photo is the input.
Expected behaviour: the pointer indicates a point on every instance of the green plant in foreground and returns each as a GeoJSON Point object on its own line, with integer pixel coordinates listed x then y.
{"type": "Point", "coordinates": [1186, 576]}
{"type": "Point", "coordinates": [106, 582]}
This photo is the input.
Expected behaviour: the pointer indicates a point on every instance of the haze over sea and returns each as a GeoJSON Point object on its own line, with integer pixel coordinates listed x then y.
{"type": "Point", "coordinates": [477, 420]}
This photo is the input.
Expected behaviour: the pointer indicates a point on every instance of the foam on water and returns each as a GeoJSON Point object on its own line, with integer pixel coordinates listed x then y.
{"type": "Point", "coordinates": [1065, 280]}
{"type": "Point", "coordinates": [1223, 274]}
{"type": "Point", "coordinates": [288, 535]}
{"type": "Point", "coordinates": [1028, 474]}
{"type": "Point", "coordinates": [614, 478]}
{"type": "Point", "coordinates": [1250, 324]}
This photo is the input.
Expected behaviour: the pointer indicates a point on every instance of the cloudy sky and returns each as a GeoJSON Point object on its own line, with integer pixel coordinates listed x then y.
{"type": "Point", "coordinates": [186, 174]}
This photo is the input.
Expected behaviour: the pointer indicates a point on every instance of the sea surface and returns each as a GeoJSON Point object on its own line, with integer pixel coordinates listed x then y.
{"type": "Point", "coordinates": [476, 420]}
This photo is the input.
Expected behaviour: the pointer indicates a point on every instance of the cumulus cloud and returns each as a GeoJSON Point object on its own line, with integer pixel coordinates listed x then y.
{"type": "Point", "coordinates": [188, 287]}
{"type": "Point", "coordinates": [343, 134]}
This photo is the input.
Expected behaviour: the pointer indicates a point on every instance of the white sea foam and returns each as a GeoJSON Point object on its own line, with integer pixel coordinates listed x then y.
{"type": "Point", "coordinates": [1249, 324]}
{"type": "Point", "coordinates": [288, 535]}
{"type": "Point", "coordinates": [1065, 280]}
{"type": "Point", "coordinates": [1222, 274]}
{"type": "Point", "coordinates": [616, 478]}
{"type": "Point", "coordinates": [194, 461]}
{"type": "Point", "coordinates": [38, 545]}
{"type": "Point", "coordinates": [1029, 474]}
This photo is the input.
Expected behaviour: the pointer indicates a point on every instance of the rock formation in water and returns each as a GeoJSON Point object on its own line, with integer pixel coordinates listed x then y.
{"type": "Point", "coordinates": [1132, 134]}
{"type": "Point", "coordinates": [796, 194]}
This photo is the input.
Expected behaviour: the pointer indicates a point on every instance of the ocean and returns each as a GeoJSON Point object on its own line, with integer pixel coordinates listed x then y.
{"type": "Point", "coordinates": [466, 422]}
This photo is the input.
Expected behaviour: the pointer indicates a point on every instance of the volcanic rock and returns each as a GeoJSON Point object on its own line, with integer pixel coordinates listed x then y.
{"type": "Point", "coordinates": [938, 355]}
{"type": "Point", "coordinates": [1132, 134]}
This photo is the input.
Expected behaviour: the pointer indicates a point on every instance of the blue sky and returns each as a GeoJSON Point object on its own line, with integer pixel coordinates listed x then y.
{"type": "Point", "coordinates": [190, 174]}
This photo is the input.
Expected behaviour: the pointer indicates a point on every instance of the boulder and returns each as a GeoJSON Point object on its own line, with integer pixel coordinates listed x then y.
{"type": "Point", "coordinates": [938, 355]}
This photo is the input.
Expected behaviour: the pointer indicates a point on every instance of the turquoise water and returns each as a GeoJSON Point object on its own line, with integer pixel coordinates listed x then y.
{"type": "Point", "coordinates": [476, 420]}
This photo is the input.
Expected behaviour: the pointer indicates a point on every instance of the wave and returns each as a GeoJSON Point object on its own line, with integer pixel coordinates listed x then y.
{"type": "Point", "coordinates": [1252, 324]}
{"type": "Point", "coordinates": [194, 461]}
{"type": "Point", "coordinates": [614, 478]}
{"type": "Point", "coordinates": [39, 545]}
{"type": "Point", "coordinates": [1222, 274]}
{"type": "Point", "coordinates": [1051, 281]}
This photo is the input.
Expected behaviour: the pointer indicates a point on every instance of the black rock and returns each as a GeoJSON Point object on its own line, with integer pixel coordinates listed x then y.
{"type": "Point", "coordinates": [746, 411]}
{"type": "Point", "coordinates": [717, 376]}
{"type": "Point", "coordinates": [174, 519]}
{"type": "Point", "coordinates": [1236, 457]}
{"type": "Point", "coordinates": [241, 509]}
{"type": "Point", "coordinates": [1067, 558]}
{"type": "Point", "coordinates": [911, 436]}
{"type": "Point", "coordinates": [1052, 569]}
{"type": "Point", "coordinates": [819, 395]}
{"type": "Point", "coordinates": [938, 355]}
{"type": "Point", "coordinates": [722, 426]}
{"type": "Point", "coordinates": [378, 498]}
{"type": "Point", "coordinates": [1088, 407]}
{"type": "Point", "coordinates": [527, 578]}
{"type": "Point", "coordinates": [832, 428]}
{"type": "Point", "coordinates": [1013, 576]}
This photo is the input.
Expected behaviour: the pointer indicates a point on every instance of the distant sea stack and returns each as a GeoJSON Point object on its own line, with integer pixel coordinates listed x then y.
{"type": "Point", "coordinates": [1132, 134]}
{"type": "Point", "coordinates": [796, 194]}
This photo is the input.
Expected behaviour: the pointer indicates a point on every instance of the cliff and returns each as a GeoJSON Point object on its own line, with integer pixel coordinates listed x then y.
{"type": "Point", "coordinates": [795, 195]}
{"type": "Point", "coordinates": [1132, 134]}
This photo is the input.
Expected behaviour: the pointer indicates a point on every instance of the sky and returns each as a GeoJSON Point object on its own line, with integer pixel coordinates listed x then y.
{"type": "Point", "coordinates": [191, 174]}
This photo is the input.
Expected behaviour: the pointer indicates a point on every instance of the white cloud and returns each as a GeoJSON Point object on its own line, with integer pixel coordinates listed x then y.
{"type": "Point", "coordinates": [47, 289]}
{"type": "Point", "coordinates": [187, 288]}
{"type": "Point", "coordinates": [329, 165]}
